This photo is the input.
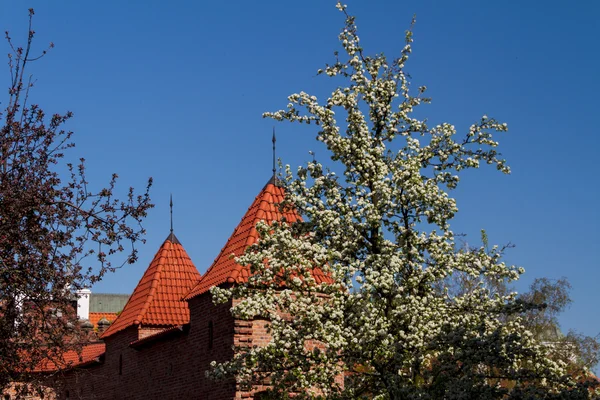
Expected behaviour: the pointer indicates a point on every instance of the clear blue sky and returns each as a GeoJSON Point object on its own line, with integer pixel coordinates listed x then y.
{"type": "Point", "coordinates": [175, 90]}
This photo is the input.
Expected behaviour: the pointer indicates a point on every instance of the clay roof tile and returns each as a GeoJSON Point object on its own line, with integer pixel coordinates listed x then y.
{"type": "Point", "coordinates": [71, 358]}
{"type": "Point", "coordinates": [157, 299]}
{"type": "Point", "coordinates": [224, 269]}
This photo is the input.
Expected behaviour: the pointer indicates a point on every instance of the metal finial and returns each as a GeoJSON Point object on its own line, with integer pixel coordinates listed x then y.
{"type": "Point", "coordinates": [274, 140]}
{"type": "Point", "coordinates": [171, 206]}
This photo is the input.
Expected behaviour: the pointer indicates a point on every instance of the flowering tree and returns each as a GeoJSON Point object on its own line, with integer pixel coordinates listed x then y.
{"type": "Point", "coordinates": [52, 226]}
{"type": "Point", "coordinates": [385, 325]}
{"type": "Point", "coordinates": [580, 352]}
{"type": "Point", "coordinates": [544, 301]}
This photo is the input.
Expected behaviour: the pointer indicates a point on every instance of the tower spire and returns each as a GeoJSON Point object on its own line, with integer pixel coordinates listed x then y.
{"type": "Point", "coordinates": [171, 207]}
{"type": "Point", "coordinates": [172, 238]}
{"type": "Point", "coordinates": [274, 161]}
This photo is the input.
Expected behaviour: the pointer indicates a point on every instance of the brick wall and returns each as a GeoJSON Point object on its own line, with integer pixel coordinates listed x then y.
{"type": "Point", "coordinates": [172, 367]}
{"type": "Point", "coordinates": [248, 334]}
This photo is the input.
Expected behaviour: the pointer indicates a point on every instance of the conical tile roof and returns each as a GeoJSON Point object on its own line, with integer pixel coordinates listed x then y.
{"type": "Point", "coordinates": [157, 299]}
{"type": "Point", "coordinates": [224, 269]}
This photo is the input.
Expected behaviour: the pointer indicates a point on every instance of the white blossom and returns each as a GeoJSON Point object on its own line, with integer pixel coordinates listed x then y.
{"type": "Point", "coordinates": [381, 232]}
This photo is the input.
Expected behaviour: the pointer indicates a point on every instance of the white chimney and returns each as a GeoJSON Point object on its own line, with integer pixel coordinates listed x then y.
{"type": "Point", "coordinates": [83, 303]}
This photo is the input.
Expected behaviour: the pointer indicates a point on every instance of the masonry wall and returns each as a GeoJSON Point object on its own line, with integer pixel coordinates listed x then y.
{"type": "Point", "coordinates": [174, 366]}
{"type": "Point", "coordinates": [246, 335]}
{"type": "Point", "coordinates": [169, 368]}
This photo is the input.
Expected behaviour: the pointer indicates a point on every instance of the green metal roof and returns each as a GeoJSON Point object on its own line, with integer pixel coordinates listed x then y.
{"type": "Point", "coordinates": [108, 302]}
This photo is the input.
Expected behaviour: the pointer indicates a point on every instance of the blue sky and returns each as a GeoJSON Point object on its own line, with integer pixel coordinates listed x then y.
{"type": "Point", "coordinates": [175, 90]}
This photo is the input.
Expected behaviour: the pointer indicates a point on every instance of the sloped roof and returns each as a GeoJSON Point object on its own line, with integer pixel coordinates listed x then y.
{"type": "Point", "coordinates": [157, 299]}
{"type": "Point", "coordinates": [71, 358]}
{"type": "Point", "coordinates": [97, 316]}
{"type": "Point", "coordinates": [224, 269]}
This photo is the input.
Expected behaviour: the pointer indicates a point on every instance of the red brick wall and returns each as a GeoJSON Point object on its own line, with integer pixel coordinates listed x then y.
{"type": "Point", "coordinates": [248, 334]}
{"type": "Point", "coordinates": [170, 368]}
{"type": "Point", "coordinates": [148, 331]}
{"type": "Point", "coordinates": [255, 333]}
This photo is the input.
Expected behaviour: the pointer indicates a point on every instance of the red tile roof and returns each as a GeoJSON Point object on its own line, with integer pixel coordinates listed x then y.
{"type": "Point", "coordinates": [224, 269]}
{"type": "Point", "coordinates": [90, 353]}
{"type": "Point", "coordinates": [157, 299]}
{"type": "Point", "coordinates": [97, 316]}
